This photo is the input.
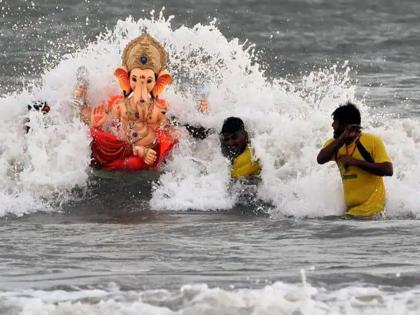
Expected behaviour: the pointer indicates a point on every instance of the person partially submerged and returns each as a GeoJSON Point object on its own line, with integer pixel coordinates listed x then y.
{"type": "Point", "coordinates": [237, 148]}
{"type": "Point", "coordinates": [362, 160]}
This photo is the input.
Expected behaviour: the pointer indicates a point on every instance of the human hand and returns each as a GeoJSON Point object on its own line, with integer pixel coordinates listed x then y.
{"type": "Point", "coordinates": [350, 133]}
{"type": "Point", "coordinates": [348, 160]}
{"type": "Point", "coordinates": [204, 106]}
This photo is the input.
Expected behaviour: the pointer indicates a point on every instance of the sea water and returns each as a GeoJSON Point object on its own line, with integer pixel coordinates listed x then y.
{"type": "Point", "coordinates": [187, 241]}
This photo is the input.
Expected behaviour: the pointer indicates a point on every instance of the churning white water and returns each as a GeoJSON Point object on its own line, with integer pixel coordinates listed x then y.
{"type": "Point", "coordinates": [287, 121]}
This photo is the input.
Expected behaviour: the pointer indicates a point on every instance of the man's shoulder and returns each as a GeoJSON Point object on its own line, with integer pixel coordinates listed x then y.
{"type": "Point", "coordinates": [370, 137]}
{"type": "Point", "coordinates": [376, 146]}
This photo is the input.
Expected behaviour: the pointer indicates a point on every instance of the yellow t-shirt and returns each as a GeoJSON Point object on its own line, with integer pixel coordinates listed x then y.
{"type": "Point", "coordinates": [245, 164]}
{"type": "Point", "coordinates": [364, 193]}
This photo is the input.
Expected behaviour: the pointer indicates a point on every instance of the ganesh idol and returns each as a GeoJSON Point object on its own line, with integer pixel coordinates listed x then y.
{"type": "Point", "coordinates": [131, 131]}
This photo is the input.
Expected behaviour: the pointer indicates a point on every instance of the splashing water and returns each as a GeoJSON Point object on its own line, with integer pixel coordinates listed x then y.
{"type": "Point", "coordinates": [287, 121]}
{"type": "Point", "coordinates": [277, 298]}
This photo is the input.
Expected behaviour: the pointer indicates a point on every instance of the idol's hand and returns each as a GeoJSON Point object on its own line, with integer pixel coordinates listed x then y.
{"type": "Point", "coordinates": [98, 116]}
{"type": "Point", "coordinates": [204, 106]}
{"type": "Point", "coordinates": [150, 156]}
{"type": "Point", "coordinates": [80, 92]}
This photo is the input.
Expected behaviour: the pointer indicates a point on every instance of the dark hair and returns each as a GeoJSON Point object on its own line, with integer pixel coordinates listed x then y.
{"type": "Point", "coordinates": [39, 106]}
{"type": "Point", "coordinates": [348, 114]}
{"type": "Point", "coordinates": [232, 124]}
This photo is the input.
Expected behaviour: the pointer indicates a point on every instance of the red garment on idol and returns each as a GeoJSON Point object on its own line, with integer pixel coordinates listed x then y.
{"type": "Point", "coordinates": [114, 154]}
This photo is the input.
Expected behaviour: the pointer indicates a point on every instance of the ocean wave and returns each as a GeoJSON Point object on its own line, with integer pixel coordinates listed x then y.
{"type": "Point", "coordinates": [276, 298]}
{"type": "Point", "coordinates": [288, 122]}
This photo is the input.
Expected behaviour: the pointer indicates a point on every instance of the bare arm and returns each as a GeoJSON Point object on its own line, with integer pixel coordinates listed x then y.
{"type": "Point", "coordinates": [378, 169]}
{"type": "Point", "coordinates": [326, 154]}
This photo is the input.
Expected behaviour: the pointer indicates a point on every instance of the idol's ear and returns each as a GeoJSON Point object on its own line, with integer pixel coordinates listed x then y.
{"type": "Point", "coordinates": [163, 79]}
{"type": "Point", "coordinates": [121, 73]}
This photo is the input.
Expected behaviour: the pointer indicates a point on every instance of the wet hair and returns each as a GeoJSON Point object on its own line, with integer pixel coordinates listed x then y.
{"type": "Point", "coordinates": [348, 114]}
{"type": "Point", "coordinates": [232, 124]}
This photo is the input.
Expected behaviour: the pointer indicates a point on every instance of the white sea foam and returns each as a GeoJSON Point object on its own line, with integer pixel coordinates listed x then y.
{"type": "Point", "coordinates": [288, 122]}
{"type": "Point", "coordinates": [277, 298]}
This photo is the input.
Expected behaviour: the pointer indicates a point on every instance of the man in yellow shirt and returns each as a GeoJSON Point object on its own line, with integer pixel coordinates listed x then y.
{"type": "Point", "coordinates": [237, 148]}
{"type": "Point", "coordinates": [362, 160]}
